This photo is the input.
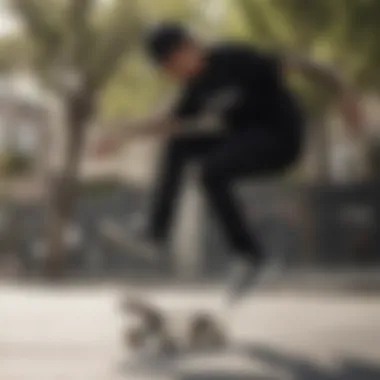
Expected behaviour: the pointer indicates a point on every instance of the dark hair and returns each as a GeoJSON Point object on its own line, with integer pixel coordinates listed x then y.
{"type": "Point", "coordinates": [164, 39]}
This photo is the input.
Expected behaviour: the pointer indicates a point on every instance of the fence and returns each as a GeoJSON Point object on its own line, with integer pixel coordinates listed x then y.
{"type": "Point", "coordinates": [324, 226]}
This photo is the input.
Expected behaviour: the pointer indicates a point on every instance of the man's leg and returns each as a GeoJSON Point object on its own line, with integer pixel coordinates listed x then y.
{"type": "Point", "coordinates": [178, 152]}
{"type": "Point", "coordinates": [249, 154]}
{"type": "Point", "coordinates": [145, 238]}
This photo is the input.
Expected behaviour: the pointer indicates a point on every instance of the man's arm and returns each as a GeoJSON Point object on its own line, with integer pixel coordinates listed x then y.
{"type": "Point", "coordinates": [156, 125]}
{"type": "Point", "coordinates": [122, 131]}
{"type": "Point", "coordinates": [349, 103]}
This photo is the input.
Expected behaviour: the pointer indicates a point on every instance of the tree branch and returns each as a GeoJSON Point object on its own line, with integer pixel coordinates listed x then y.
{"type": "Point", "coordinates": [36, 18]}
{"type": "Point", "coordinates": [79, 31]}
{"type": "Point", "coordinates": [117, 39]}
{"type": "Point", "coordinates": [316, 70]}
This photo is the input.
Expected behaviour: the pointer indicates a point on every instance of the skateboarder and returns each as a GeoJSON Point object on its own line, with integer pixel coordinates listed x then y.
{"type": "Point", "coordinates": [252, 127]}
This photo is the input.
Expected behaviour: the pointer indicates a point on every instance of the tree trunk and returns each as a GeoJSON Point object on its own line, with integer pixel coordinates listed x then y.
{"type": "Point", "coordinates": [64, 190]}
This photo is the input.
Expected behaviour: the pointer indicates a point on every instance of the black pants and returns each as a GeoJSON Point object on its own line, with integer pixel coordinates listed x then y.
{"type": "Point", "coordinates": [224, 160]}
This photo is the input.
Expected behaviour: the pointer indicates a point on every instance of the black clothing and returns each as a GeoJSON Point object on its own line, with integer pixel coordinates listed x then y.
{"type": "Point", "coordinates": [262, 137]}
{"type": "Point", "coordinates": [244, 88]}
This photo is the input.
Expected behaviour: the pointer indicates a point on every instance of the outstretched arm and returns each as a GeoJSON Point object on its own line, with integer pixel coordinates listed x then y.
{"type": "Point", "coordinates": [349, 103]}
{"type": "Point", "coordinates": [158, 124]}
{"type": "Point", "coordinates": [120, 132]}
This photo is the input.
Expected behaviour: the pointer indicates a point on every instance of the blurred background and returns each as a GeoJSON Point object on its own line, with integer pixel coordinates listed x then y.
{"type": "Point", "coordinates": [68, 69]}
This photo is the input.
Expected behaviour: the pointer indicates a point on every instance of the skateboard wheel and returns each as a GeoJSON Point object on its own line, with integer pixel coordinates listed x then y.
{"type": "Point", "coordinates": [205, 332]}
{"type": "Point", "coordinates": [138, 340]}
{"type": "Point", "coordinates": [168, 345]}
{"type": "Point", "coordinates": [135, 337]}
{"type": "Point", "coordinates": [151, 318]}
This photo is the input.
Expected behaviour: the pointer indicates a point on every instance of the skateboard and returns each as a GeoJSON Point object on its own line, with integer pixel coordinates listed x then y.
{"type": "Point", "coordinates": [154, 330]}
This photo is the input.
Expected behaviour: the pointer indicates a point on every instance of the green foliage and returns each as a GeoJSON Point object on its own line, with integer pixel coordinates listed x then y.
{"type": "Point", "coordinates": [136, 86]}
{"type": "Point", "coordinates": [79, 31]}
{"type": "Point", "coordinates": [133, 89]}
{"type": "Point", "coordinates": [42, 24]}
{"type": "Point", "coordinates": [103, 41]}
{"type": "Point", "coordinates": [167, 10]}
{"type": "Point", "coordinates": [13, 51]}
{"type": "Point", "coordinates": [341, 32]}
{"type": "Point", "coordinates": [67, 34]}
{"type": "Point", "coordinates": [117, 39]}
{"type": "Point", "coordinates": [12, 164]}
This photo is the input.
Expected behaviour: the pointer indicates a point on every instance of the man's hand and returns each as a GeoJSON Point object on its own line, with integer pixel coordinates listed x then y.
{"type": "Point", "coordinates": [114, 141]}
{"type": "Point", "coordinates": [160, 125]}
{"type": "Point", "coordinates": [107, 146]}
{"type": "Point", "coordinates": [117, 136]}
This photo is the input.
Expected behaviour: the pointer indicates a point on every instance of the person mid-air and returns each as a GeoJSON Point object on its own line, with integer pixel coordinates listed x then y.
{"type": "Point", "coordinates": [258, 132]}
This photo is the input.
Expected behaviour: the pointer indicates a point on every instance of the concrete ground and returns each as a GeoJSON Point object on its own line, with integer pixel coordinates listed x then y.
{"type": "Point", "coordinates": [75, 334]}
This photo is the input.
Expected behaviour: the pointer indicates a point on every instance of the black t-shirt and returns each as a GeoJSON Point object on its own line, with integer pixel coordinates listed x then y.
{"type": "Point", "coordinates": [241, 87]}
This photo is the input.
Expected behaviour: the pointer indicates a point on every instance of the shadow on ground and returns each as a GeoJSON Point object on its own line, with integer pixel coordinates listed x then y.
{"type": "Point", "coordinates": [295, 368]}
